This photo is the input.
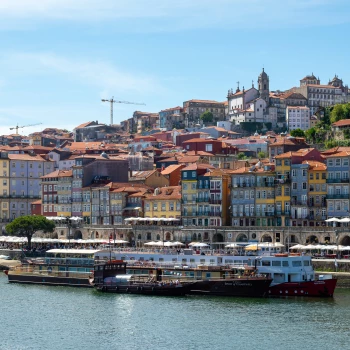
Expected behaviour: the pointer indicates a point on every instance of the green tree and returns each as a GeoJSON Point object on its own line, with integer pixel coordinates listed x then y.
{"type": "Point", "coordinates": [207, 117]}
{"type": "Point", "coordinates": [297, 133]}
{"type": "Point", "coordinates": [241, 156]}
{"type": "Point", "coordinates": [261, 155]}
{"type": "Point", "coordinates": [28, 225]}
{"type": "Point", "coordinates": [311, 134]}
{"type": "Point", "coordinates": [338, 113]}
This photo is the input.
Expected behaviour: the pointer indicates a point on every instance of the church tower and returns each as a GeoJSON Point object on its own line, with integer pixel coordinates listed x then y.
{"type": "Point", "coordinates": [264, 86]}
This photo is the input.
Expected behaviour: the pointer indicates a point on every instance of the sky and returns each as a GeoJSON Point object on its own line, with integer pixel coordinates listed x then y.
{"type": "Point", "coordinates": [58, 59]}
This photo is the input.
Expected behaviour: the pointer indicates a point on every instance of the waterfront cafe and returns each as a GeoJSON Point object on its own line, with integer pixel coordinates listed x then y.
{"type": "Point", "coordinates": [153, 221]}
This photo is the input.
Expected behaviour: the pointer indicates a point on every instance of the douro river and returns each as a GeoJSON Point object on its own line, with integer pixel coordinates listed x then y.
{"type": "Point", "coordinates": [40, 317]}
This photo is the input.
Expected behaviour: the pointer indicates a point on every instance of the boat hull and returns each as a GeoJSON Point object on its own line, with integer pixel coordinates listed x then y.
{"type": "Point", "coordinates": [243, 287]}
{"type": "Point", "coordinates": [146, 290]}
{"type": "Point", "coordinates": [49, 280]}
{"type": "Point", "coordinates": [320, 288]}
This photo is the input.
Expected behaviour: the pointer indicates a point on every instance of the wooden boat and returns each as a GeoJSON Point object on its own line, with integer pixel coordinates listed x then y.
{"type": "Point", "coordinates": [115, 276]}
{"type": "Point", "coordinates": [111, 277]}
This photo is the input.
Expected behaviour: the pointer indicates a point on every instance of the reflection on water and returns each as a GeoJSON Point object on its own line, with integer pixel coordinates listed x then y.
{"type": "Point", "coordinates": [40, 317]}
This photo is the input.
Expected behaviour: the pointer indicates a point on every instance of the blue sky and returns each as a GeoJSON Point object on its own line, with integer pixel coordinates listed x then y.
{"type": "Point", "coordinates": [59, 58]}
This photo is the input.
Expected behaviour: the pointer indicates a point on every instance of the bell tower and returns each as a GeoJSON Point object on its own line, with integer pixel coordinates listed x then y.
{"type": "Point", "coordinates": [264, 86]}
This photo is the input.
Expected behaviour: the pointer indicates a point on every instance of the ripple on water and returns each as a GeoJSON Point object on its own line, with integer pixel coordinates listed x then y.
{"type": "Point", "coordinates": [39, 317]}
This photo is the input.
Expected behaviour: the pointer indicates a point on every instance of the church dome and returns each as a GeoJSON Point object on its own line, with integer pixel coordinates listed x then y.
{"type": "Point", "coordinates": [263, 74]}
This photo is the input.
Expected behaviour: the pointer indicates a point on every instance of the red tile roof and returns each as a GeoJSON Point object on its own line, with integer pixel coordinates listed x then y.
{"type": "Point", "coordinates": [343, 122]}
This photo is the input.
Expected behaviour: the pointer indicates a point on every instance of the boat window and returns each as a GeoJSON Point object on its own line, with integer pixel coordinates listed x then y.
{"type": "Point", "coordinates": [212, 261]}
{"type": "Point", "coordinates": [276, 263]}
{"type": "Point", "coordinates": [208, 275]}
{"type": "Point", "coordinates": [161, 259]}
{"type": "Point", "coordinates": [265, 263]}
{"type": "Point", "coordinates": [228, 261]}
{"type": "Point", "coordinates": [184, 260]}
{"type": "Point", "coordinates": [192, 260]}
{"type": "Point", "coordinates": [174, 259]}
{"type": "Point", "coordinates": [296, 263]}
{"type": "Point", "coordinates": [238, 262]}
{"type": "Point", "coordinates": [285, 263]}
{"type": "Point", "coordinates": [202, 261]}
{"type": "Point", "coordinates": [306, 263]}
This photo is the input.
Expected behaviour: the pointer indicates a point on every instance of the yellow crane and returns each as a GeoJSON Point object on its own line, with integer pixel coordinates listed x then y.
{"type": "Point", "coordinates": [112, 100]}
{"type": "Point", "coordinates": [24, 126]}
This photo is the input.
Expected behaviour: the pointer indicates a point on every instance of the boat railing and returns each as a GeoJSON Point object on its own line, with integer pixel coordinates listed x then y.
{"type": "Point", "coordinates": [29, 270]}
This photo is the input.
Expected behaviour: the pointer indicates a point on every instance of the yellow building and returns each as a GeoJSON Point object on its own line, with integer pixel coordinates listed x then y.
{"type": "Point", "coordinates": [283, 190]}
{"type": "Point", "coordinates": [317, 174]}
{"type": "Point", "coordinates": [165, 202]}
{"type": "Point", "coordinates": [4, 189]}
{"type": "Point", "coordinates": [118, 203]}
{"type": "Point", "coordinates": [265, 209]}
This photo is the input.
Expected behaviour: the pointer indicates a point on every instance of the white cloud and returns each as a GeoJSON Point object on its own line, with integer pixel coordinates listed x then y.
{"type": "Point", "coordinates": [169, 15]}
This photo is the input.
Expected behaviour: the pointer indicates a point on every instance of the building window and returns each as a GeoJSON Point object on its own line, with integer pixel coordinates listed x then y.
{"type": "Point", "coordinates": [208, 147]}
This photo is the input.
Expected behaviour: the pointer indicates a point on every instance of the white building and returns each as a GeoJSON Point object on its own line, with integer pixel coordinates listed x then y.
{"type": "Point", "coordinates": [298, 117]}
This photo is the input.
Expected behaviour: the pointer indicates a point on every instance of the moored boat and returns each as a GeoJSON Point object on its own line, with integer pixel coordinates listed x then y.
{"type": "Point", "coordinates": [111, 277]}
{"type": "Point", "coordinates": [290, 274]}
{"type": "Point", "coordinates": [61, 267]}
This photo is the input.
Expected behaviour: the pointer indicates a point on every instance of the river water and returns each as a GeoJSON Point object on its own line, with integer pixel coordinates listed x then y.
{"type": "Point", "coordinates": [40, 317]}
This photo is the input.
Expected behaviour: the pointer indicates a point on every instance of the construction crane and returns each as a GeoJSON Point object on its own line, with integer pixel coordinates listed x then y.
{"type": "Point", "coordinates": [112, 100]}
{"type": "Point", "coordinates": [24, 126]}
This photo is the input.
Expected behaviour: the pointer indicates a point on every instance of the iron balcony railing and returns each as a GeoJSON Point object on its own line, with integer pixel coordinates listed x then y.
{"type": "Point", "coordinates": [337, 196]}
{"type": "Point", "coordinates": [337, 181]}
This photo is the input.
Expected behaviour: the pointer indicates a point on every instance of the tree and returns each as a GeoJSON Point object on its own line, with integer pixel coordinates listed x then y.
{"type": "Point", "coordinates": [207, 117]}
{"type": "Point", "coordinates": [297, 133]}
{"type": "Point", "coordinates": [311, 134]}
{"type": "Point", "coordinates": [28, 225]}
{"type": "Point", "coordinates": [337, 113]}
{"type": "Point", "coordinates": [261, 155]}
{"type": "Point", "coordinates": [241, 156]}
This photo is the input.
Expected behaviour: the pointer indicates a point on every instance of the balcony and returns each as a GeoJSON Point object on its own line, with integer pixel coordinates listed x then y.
{"type": "Point", "coordinates": [294, 202]}
{"type": "Point", "coordinates": [242, 184]}
{"type": "Point", "coordinates": [337, 196]}
{"type": "Point", "coordinates": [194, 213]}
{"type": "Point", "coordinates": [281, 181]}
{"type": "Point", "coordinates": [214, 213]}
{"type": "Point", "coordinates": [77, 200]}
{"type": "Point", "coordinates": [269, 213]}
{"type": "Point", "coordinates": [241, 214]}
{"type": "Point", "coordinates": [337, 181]}
{"type": "Point", "coordinates": [189, 201]}
{"type": "Point", "coordinates": [215, 201]}
{"type": "Point", "coordinates": [202, 200]}
{"type": "Point", "coordinates": [265, 184]}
